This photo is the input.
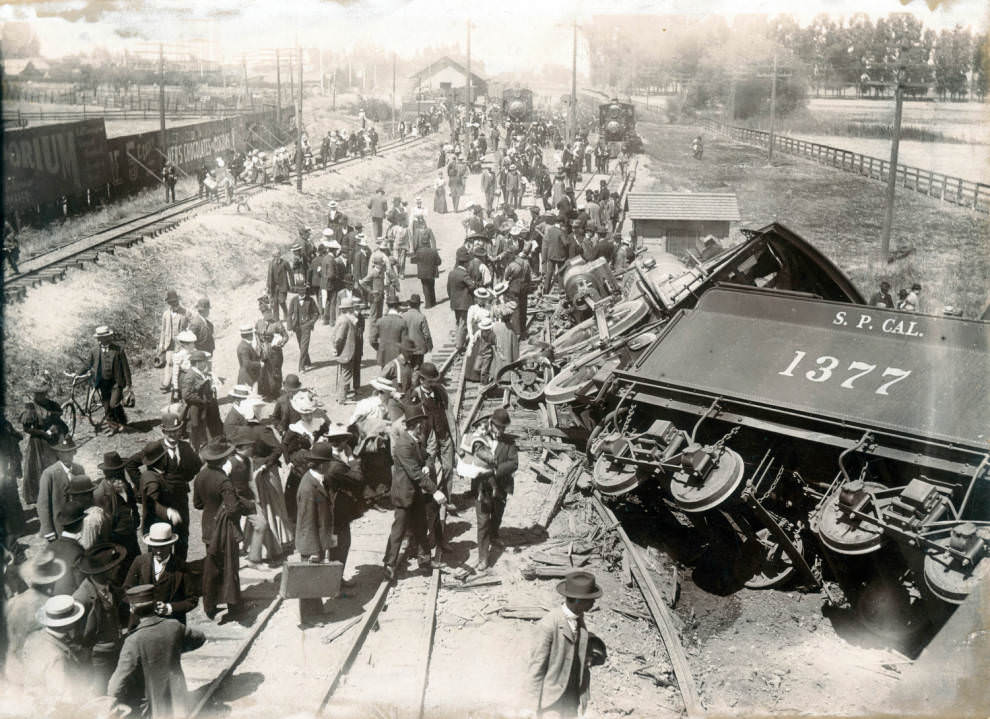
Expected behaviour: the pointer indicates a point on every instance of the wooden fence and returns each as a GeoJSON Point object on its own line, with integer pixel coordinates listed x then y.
{"type": "Point", "coordinates": [946, 188]}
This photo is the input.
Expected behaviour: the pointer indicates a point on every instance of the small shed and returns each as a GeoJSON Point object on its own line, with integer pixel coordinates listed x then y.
{"type": "Point", "coordinates": [448, 77]}
{"type": "Point", "coordinates": [678, 220]}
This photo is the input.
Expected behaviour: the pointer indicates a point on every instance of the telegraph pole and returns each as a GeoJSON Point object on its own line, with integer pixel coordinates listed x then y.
{"type": "Point", "coordinates": [573, 117]}
{"type": "Point", "coordinates": [278, 90]}
{"type": "Point", "coordinates": [333, 90]}
{"type": "Point", "coordinates": [299, 155]}
{"type": "Point", "coordinates": [393, 94]}
{"type": "Point", "coordinates": [895, 140]}
{"type": "Point", "coordinates": [292, 82]}
{"type": "Point", "coordinates": [773, 105]}
{"type": "Point", "coordinates": [247, 91]}
{"type": "Point", "coordinates": [468, 90]}
{"type": "Point", "coordinates": [161, 96]}
{"type": "Point", "coordinates": [323, 79]}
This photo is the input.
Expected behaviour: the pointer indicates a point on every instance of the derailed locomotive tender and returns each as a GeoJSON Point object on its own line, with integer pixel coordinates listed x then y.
{"type": "Point", "coordinates": [783, 412]}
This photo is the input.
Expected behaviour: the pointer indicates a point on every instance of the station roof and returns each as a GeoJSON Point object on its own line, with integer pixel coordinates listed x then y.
{"type": "Point", "coordinates": [683, 206]}
{"type": "Point", "coordinates": [443, 62]}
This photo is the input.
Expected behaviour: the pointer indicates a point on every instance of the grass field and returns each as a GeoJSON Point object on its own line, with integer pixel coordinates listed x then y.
{"type": "Point", "coordinates": [840, 213]}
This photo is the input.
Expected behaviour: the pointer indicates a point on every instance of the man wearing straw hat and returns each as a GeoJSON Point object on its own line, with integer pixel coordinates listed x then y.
{"type": "Point", "coordinates": [559, 666]}
{"type": "Point", "coordinates": [111, 376]}
{"type": "Point", "coordinates": [174, 320]}
{"type": "Point", "coordinates": [172, 587]}
{"type": "Point", "coordinates": [54, 665]}
{"type": "Point", "coordinates": [40, 573]}
{"type": "Point", "coordinates": [248, 360]}
{"type": "Point", "coordinates": [151, 657]}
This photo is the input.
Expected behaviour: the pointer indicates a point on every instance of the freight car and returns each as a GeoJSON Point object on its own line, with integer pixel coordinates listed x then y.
{"type": "Point", "coordinates": [617, 126]}
{"type": "Point", "coordinates": [792, 428]}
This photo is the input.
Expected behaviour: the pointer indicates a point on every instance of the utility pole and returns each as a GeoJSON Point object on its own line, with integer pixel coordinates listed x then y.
{"type": "Point", "coordinates": [467, 93]}
{"type": "Point", "coordinates": [393, 94]}
{"type": "Point", "coordinates": [292, 82]}
{"type": "Point", "coordinates": [333, 90]}
{"type": "Point", "coordinates": [299, 155]}
{"type": "Point", "coordinates": [278, 90]}
{"type": "Point", "coordinates": [573, 116]}
{"type": "Point", "coordinates": [773, 106]}
{"type": "Point", "coordinates": [323, 77]}
{"type": "Point", "coordinates": [247, 90]}
{"type": "Point", "coordinates": [888, 213]}
{"type": "Point", "coordinates": [161, 96]}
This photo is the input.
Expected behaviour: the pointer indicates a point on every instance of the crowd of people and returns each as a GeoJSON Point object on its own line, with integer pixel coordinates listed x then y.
{"type": "Point", "coordinates": [97, 617]}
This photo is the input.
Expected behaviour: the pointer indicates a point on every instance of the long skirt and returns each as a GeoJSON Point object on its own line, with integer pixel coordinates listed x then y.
{"type": "Point", "coordinates": [38, 456]}
{"type": "Point", "coordinates": [440, 199]}
{"type": "Point", "coordinates": [270, 380]}
{"type": "Point", "coordinates": [271, 502]}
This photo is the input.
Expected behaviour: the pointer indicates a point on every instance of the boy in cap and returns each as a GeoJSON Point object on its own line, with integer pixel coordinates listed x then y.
{"type": "Point", "coordinates": [151, 658]}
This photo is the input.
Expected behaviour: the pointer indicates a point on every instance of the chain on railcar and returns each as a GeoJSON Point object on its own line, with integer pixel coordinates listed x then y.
{"type": "Point", "coordinates": [807, 429]}
{"type": "Point", "coordinates": [617, 125]}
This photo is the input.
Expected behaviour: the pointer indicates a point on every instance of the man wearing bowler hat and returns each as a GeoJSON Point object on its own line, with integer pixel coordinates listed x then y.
{"type": "Point", "coordinates": [115, 496]}
{"type": "Point", "coordinates": [174, 320]}
{"type": "Point", "coordinates": [427, 261]}
{"type": "Point", "coordinates": [494, 484]}
{"type": "Point", "coordinates": [151, 658]}
{"type": "Point", "coordinates": [172, 588]}
{"type": "Point", "coordinates": [214, 494]}
{"type": "Point", "coordinates": [559, 666]}
{"type": "Point", "coordinates": [417, 330]}
{"type": "Point", "coordinates": [52, 494]}
{"type": "Point", "coordinates": [110, 374]}
{"type": "Point", "coordinates": [100, 631]}
{"type": "Point", "coordinates": [169, 466]}
{"type": "Point", "coordinates": [413, 483]}
{"type": "Point", "coordinates": [315, 537]}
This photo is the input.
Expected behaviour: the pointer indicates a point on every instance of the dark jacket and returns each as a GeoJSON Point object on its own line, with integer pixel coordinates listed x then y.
{"type": "Point", "coordinates": [116, 358]}
{"type": "Point", "coordinates": [460, 287]}
{"type": "Point", "coordinates": [427, 261]}
{"type": "Point", "coordinates": [303, 313]}
{"type": "Point", "coordinates": [249, 363]}
{"type": "Point", "coordinates": [279, 276]}
{"type": "Point", "coordinates": [391, 332]}
{"type": "Point", "coordinates": [408, 480]}
{"type": "Point", "coordinates": [418, 330]}
{"type": "Point", "coordinates": [314, 517]}
{"type": "Point", "coordinates": [173, 585]}
{"type": "Point", "coordinates": [554, 245]}
{"type": "Point", "coordinates": [211, 490]}
{"type": "Point", "coordinates": [345, 339]}
{"type": "Point", "coordinates": [151, 655]}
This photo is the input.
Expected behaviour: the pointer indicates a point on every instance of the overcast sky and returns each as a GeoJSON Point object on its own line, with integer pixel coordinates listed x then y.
{"type": "Point", "coordinates": [509, 35]}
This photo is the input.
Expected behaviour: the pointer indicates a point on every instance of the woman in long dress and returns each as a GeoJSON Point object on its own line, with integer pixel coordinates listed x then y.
{"type": "Point", "coordinates": [479, 313]}
{"type": "Point", "coordinates": [439, 195]}
{"type": "Point", "coordinates": [298, 439]}
{"type": "Point", "coordinates": [42, 422]}
{"type": "Point", "coordinates": [271, 498]}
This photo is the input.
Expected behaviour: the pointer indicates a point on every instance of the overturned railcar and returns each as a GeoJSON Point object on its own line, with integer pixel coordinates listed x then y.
{"type": "Point", "coordinates": [816, 429]}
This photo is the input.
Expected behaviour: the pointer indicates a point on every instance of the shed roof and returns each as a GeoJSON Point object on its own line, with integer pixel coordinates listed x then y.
{"type": "Point", "coordinates": [443, 62]}
{"type": "Point", "coordinates": [683, 206]}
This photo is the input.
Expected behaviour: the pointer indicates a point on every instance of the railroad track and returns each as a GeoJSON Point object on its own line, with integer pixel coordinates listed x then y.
{"type": "Point", "coordinates": [52, 265]}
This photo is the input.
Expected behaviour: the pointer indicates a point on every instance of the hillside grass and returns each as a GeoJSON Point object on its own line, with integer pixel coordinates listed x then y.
{"type": "Point", "coordinates": [838, 212]}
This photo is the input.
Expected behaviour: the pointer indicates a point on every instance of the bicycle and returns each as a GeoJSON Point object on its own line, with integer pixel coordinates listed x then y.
{"type": "Point", "coordinates": [91, 406]}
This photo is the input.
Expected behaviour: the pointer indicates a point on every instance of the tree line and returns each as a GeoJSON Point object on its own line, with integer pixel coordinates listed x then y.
{"type": "Point", "coordinates": [711, 64]}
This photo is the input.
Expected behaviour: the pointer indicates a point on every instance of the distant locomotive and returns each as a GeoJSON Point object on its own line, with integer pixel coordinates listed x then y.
{"type": "Point", "coordinates": [517, 105]}
{"type": "Point", "coordinates": [617, 126]}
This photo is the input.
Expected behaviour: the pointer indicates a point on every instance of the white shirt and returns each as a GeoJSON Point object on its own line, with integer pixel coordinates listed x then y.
{"type": "Point", "coordinates": [157, 567]}
{"type": "Point", "coordinates": [572, 619]}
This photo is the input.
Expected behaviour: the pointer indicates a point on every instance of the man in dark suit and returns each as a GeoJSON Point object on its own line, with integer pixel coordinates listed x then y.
{"type": "Point", "coordinates": [248, 360]}
{"type": "Point", "coordinates": [346, 339]}
{"type": "Point", "coordinates": [495, 483]}
{"type": "Point", "coordinates": [115, 496]}
{"type": "Point", "coordinates": [301, 319]}
{"type": "Point", "coordinates": [427, 261]}
{"type": "Point", "coordinates": [214, 494]}
{"type": "Point", "coordinates": [169, 468]}
{"type": "Point", "coordinates": [390, 331]}
{"type": "Point", "coordinates": [431, 395]}
{"type": "Point", "coordinates": [412, 485]}
{"type": "Point", "coordinates": [172, 591]}
{"type": "Point", "coordinates": [201, 326]}
{"type": "Point", "coordinates": [559, 674]}
{"type": "Point", "coordinates": [517, 275]}
{"type": "Point", "coordinates": [360, 260]}
{"type": "Point", "coordinates": [417, 330]}
{"type": "Point", "coordinates": [111, 375]}
{"type": "Point", "coordinates": [378, 206]}
{"type": "Point", "coordinates": [460, 289]}
{"type": "Point", "coordinates": [554, 253]}
{"type": "Point", "coordinates": [54, 483]}
{"type": "Point", "coordinates": [151, 658]}
{"type": "Point", "coordinates": [279, 282]}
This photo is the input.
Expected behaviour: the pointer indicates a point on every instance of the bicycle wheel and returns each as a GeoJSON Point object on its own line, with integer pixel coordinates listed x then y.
{"type": "Point", "coordinates": [95, 410]}
{"type": "Point", "coordinates": [69, 416]}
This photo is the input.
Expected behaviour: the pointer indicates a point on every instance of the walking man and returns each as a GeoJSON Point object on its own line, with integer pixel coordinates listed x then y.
{"type": "Point", "coordinates": [417, 330]}
{"type": "Point", "coordinates": [302, 316]}
{"type": "Point", "coordinates": [279, 282]}
{"type": "Point", "coordinates": [174, 320]}
{"type": "Point", "coordinates": [378, 206]}
{"type": "Point", "coordinates": [346, 341]}
{"type": "Point", "coordinates": [494, 484]}
{"type": "Point", "coordinates": [111, 376]}
{"type": "Point", "coordinates": [427, 261]}
{"type": "Point", "coordinates": [460, 289]}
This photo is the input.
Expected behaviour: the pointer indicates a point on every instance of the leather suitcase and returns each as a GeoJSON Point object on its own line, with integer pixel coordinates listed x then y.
{"type": "Point", "coordinates": [303, 580]}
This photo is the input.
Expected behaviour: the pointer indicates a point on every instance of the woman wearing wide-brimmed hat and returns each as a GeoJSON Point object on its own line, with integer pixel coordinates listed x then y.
{"type": "Point", "coordinates": [42, 422]}
{"type": "Point", "coordinates": [298, 439]}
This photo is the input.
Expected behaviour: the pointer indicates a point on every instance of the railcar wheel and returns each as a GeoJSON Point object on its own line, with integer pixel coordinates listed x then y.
{"type": "Point", "coordinates": [846, 534]}
{"type": "Point", "coordinates": [949, 582]}
{"type": "Point", "coordinates": [577, 377]}
{"type": "Point", "coordinates": [530, 377]}
{"type": "Point", "coordinates": [715, 489]}
{"type": "Point", "coordinates": [613, 477]}
{"type": "Point", "coordinates": [620, 319]}
{"type": "Point", "coordinates": [776, 566]}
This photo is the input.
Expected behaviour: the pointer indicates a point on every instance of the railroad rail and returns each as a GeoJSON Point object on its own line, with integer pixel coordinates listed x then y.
{"type": "Point", "coordinates": [52, 265]}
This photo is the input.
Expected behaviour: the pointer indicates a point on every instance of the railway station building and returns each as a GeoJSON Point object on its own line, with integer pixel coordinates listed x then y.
{"type": "Point", "coordinates": [676, 222]}
{"type": "Point", "coordinates": [448, 77]}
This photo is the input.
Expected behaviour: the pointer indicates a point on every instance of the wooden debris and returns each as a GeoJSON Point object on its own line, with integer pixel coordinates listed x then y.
{"type": "Point", "coordinates": [558, 559]}
{"type": "Point", "coordinates": [529, 613]}
{"type": "Point", "coordinates": [545, 571]}
{"type": "Point", "coordinates": [481, 581]}
{"type": "Point", "coordinates": [558, 490]}
{"type": "Point", "coordinates": [631, 613]}
{"type": "Point", "coordinates": [341, 630]}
